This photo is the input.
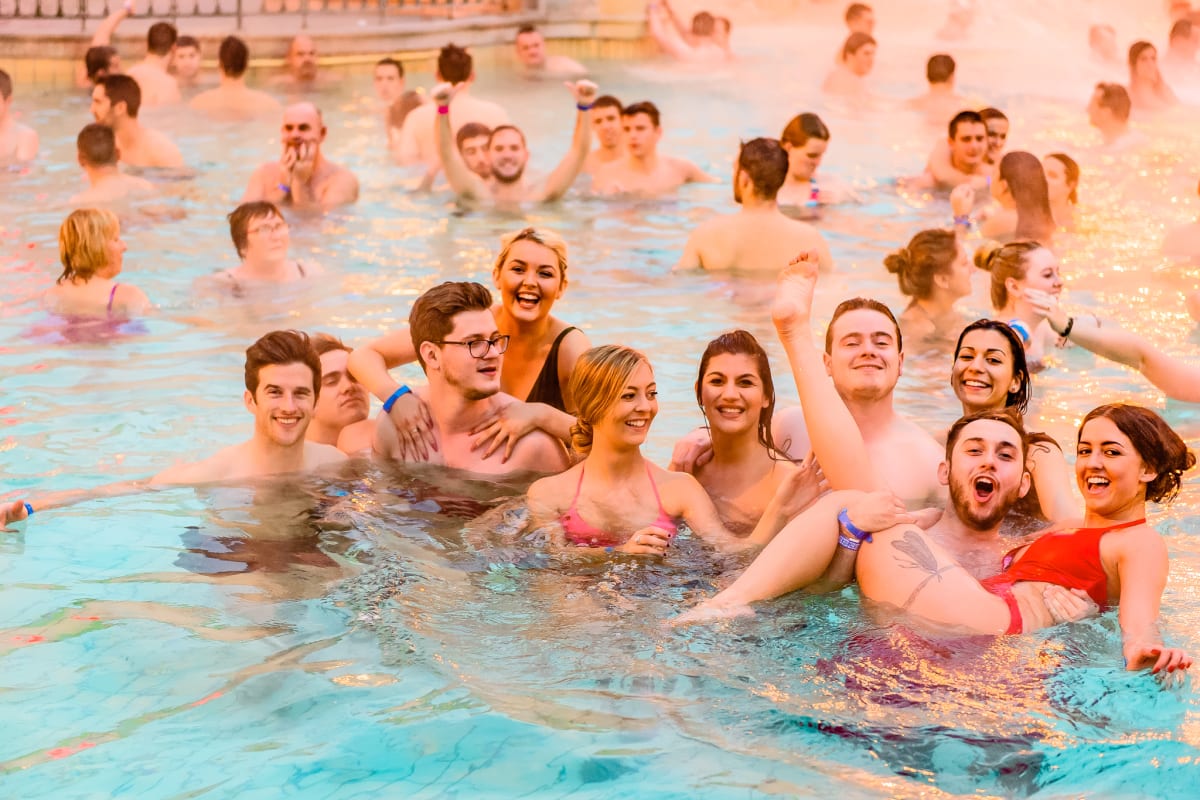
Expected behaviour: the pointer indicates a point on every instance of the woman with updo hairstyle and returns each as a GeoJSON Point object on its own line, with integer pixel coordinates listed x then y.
{"type": "Point", "coordinates": [1017, 268]}
{"type": "Point", "coordinates": [1023, 201]}
{"type": "Point", "coordinates": [1062, 180]}
{"type": "Point", "coordinates": [1147, 89]}
{"type": "Point", "coordinates": [615, 499]}
{"type": "Point", "coordinates": [92, 254]}
{"type": "Point", "coordinates": [934, 271]}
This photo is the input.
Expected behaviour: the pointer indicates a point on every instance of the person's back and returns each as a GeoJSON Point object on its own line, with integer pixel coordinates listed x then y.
{"type": "Point", "coordinates": [91, 252]}
{"type": "Point", "coordinates": [233, 99]}
{"type": "Point", "coordinates": [17, 142]}
{"type": "Point", "coordinates": [159, 87]}
{"type": "Point", "coordinates": [97, 153]}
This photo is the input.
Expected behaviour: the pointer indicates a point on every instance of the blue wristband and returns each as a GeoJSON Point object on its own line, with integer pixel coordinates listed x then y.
{"type": "Point", "coordinates": [283, 187]}
{"type": "Point", "coordinates": [582, 107]}
{"type": "Point", "coordinates": [28, 510]}
{"type": "Point", "coordinates": [396, 395]}
{"type": "Point", "coordinates": [851, 528]}
{"type": "Point", "coordinates": [849, 542]}
{"type": "Point", "coordinates": [964, 220]}
{"type": "Point", "coordinates": [1022, 330]}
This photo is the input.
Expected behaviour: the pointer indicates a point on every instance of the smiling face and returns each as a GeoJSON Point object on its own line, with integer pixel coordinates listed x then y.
{"type": "Point", "coordinates": [968, 147]}
{"type": "Point", "coordinates": [530, 280]}
{"type": "Point", "coordinates": [864, 358]}
{"type": "Point", "coordinates": [997, 137]}
{"type": "Point", "coordinates": [1041, 272]}
{"type": "Point", "coordinates": [732, 394]}
{"type": "Point", "coordinates": [507, 155]}
{"type": "Point", "coordinates": [343, 400]}
{"type": "Point", "coordinates": [474, 378]}
{"type": "Point", "coordinates": [804, 159]}
{"type": "Point", "coordinates": [641, 135]}
{"type": "Point", "coordinates": [983, 373]}
{"type": "Point", "coordinates": [986, 473]}
{"type": "Point", "coordinates": [606, 124]}
{"type": "Point", "coordinates": [1111, 474]}
{"type": "Point", "coordinates": [282, 404]}
{"type": "Point", "coordinates": [627, 422]}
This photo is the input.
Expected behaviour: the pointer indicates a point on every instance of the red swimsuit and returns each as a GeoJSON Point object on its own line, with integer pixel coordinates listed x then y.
{"type": "Point", "coordinates": [1066, 558]}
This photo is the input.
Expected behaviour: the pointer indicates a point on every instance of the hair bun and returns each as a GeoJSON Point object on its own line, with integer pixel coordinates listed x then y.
{"type": "Point", "coordinates": [899, 261]}
{"type": "Point", "coordinates": [985, 254]}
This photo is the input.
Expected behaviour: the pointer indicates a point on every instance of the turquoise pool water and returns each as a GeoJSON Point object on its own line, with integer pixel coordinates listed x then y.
{"type": "Point", "coordinates": [218, 644]}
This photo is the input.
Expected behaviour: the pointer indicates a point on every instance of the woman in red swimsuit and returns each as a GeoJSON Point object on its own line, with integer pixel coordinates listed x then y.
{"type": "Point", "coordinates": [615, 499]}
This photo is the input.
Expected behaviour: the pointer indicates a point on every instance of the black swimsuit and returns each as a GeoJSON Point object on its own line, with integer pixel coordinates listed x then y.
{"type": "Point", "coordinates": [547, 389]}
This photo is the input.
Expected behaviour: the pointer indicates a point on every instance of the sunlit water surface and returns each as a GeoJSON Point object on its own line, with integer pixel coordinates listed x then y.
{"type": "Point", "coordinates": [218, 643]}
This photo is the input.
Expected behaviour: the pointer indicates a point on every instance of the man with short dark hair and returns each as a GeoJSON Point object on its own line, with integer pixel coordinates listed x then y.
{"type": "Point", "coordinates": [418, 138]}
{"type": "Point", "coordinates": [606, 125]}
{"type": "Point", "coordinates": [507, 155]}
{"type": "Point", "coordinates": [961, 158]}
{"type": "Point", "coordinates": [341, 416]}
{"type": "Point", "coordinates": [388, 80]}
{"type": "Point", "coordinates": [185, 65]}
{"type": "Point", "coordinates": [1108, 112]}
{"type": "Point", "coordinates": [96, 147]}
{"type": "Point", "coordinates": [941, 100]}
{"type": "Point", "coordinates": [116, 101]}
{"type": "Point", "coordinates": [530, 47]}
{"type": "Point", "coordinates": [643, 171]}
{"type": "Point", "coordinates": [1180, 58]}
{"type": "Point", "coordinates": [18, 142]}
{"type": "Point", "coordinates": [302, 177]}
{"type": "Point", "coordinates": [159, 87]}
{"type": "Point", "coordinates": [860, 18]}
{"type": "Point", "coordinates": [472, 141]}
{"type": "Point", "coordinates": [233, 99]}
{"type": "Point", "coordinates": [758, 237]}
{"type": "Point", "coordinates": [458, 346]}
{"type": "Point", "coordinates": [101, 58]}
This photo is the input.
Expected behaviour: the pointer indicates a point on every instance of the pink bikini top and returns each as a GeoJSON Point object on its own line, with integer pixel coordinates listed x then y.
{"type": "Point", "coordinates": [582, 534]}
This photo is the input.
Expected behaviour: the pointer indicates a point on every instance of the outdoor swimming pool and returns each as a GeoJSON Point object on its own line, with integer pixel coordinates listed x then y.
{"type": "Point", "coordinates": [217, 644]}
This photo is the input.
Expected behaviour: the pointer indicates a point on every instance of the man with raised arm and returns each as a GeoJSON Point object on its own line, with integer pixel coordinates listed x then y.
{"type": "Point", "coordinates": [758, 237]}
{"type": "Point", "coordinates": [98, 155]}
{"type": "Point", "coordinates": [17, 142]}
{"type": "Point", "coordinates": [158, 85]}
{"type": "Point", "coordinates": [418, 136]}
{"type": "Point", "coordinates": [233, 99]}
{"type": "Point", "coordinates": [101, 58]}
{"type": "Point", "coordinates": [530, 47]}
{"type": "Point", "coordinates": [302, 177]}
{"type": "Point", "coordinates": [116, 100]}
{"type": "Point", "coordinates": [606, 125]}
{"type": "Point", "coordinates": [507, 186]}
{"type": "Point", "coordinates": [455, 338]}
{"type": "Point", "coordinates": [643, 171]}
{"type": "Point", "coordinates": [700, 44]}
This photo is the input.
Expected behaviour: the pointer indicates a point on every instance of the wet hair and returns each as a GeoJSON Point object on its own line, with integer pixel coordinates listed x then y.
{"type": "Point", "coordinates": [703, 24]}
{"type": "Point", "coordinates": [279, 348]}
{"type": "Point", "coordinates": [98, 59]}
{"type": "Point", "coordinates": [939, 69]}
{"type": "Point", "coordinates": [644, 107]}
{"type": "Point", "coordinates": [1158, 445]}
{"type": "Point", "coordinates": [1026, 181]}
{"type": "Point", "coordinates": [472, 130]}
{"type": "Point", "coordinates": [391, 62]}
{"type": "Point", "coordinates": [991, 113]}
{"type": "Point", "coordinates": [1182, 29]}
{"type": "Point", "coordinates": [1004, 262]}
{"type": "Point", "coordinates": [233, 56]}
{"type": "Point", "coordinates": [1071, 170]}
{"type": "Point", "coordinates": [502, 129]}
{"type": "Point", "coordinates": [432, 316]}
{"type": "Point", "coordinates": [856, 10]}
{"type": "Point", "coordinates": [855, 42]}
{"type": "Point", "coordinates": [122, 89]}
{"type": "Point", "coordinates": [740, 342]}
{"type": "Point", "coordinates": [161, 38]}
{"type": "Point", "coordinates": [402, 106]}
{"type": "Point", "coordinates": [241, 217]}
{"type": "Point", "coordinates": [765, 162]}
{"type": "Point", "coordinates": [802, 128]}
{"type": "Point", "coordinates": [548, 239]}
{"type": "Point", "coordinates": [324, 343]}
{"type": "Point", "coordinates": [83, 242]}
{"type": "Point", "coordinates": [596, 382]}
{"type": "Point", "coordinates": [1018, 400]}
{"type": "Point", "coordinates": [607, 101]}
{"type": "Point", "coordinates": [928, 254]}
{"type": "Point", "coordinates": [187, 41]}
{"type": "Point", "coordinates": [1115, 98]}
{"type": "Point", "coordinates": [1006, 416]}
{"type": "Point", "coordinates": [6, 85]}
{"type": "Point", "coordinates": [454, 64]}
{"type": "Point", "coordinates": [97, 145]}
{"type": "Point", "coordinates": [965, 117]}
{"type": "Point", "coordinates": [854, 304]}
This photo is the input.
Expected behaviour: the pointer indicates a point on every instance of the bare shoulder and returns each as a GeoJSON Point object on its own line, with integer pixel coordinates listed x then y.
{"type": "Point", "coordinates": [318, 455]}
{"type": "Point", "coordinates": [552, 495]}
{"type": "Point", "coordinates": [214, 468]}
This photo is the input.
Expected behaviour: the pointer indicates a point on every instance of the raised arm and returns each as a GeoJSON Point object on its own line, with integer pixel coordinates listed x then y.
{"type": "Point", "coordinates": [568, 169]}
{"type": "Point", "coordinates": [369, 364]}
{"type": "Point", "coordinates": [466, 184]}
{"type": "Point", "coordinates": [665, 33]}
{"type": "Point", "coordinates": [103, 37]}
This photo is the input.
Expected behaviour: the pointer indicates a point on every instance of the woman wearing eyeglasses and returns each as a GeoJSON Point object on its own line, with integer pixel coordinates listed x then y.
{"type": "Point", "coordinates": [530, 274]}
{"type": "Point", "coordinates": [260, 235]}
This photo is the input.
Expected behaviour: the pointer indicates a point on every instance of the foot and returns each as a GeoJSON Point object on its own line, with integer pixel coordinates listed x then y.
{"type": "Point", "coordinates": [708, 612]}
{"type": "Point", "coordinates": [792, 309]}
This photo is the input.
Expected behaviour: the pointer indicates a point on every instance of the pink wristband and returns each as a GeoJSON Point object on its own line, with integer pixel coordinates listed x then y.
{"type": "Point", "coordinates": [443, 109]}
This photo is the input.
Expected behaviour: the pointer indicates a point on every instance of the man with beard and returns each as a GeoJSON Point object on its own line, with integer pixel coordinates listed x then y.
{"type": "Point", "coordinates": [759, 237]}
{"type": "Point", "coordinates": [116, 100]}
{"type": "Point", "coordinates": [606, 124]}
{"type": "Point", "coordinates": [508, 156]}
{"type": "Point", "coordinates": [341, 414]}
{"type": "Point", "coordinates": [301, 71]}
{"type": "Point", "coordinates": [472, 140]}
{"type": "Point", "coordinates": [454, 335]}
{"type": "Point", "coordinates": [643, 171]}
{"type": "Point", "coordinates": [302, 177]}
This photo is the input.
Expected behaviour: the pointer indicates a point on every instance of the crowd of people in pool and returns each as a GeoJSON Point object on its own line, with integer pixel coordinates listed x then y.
{"type": "Point", "coordinates": [841, 488]}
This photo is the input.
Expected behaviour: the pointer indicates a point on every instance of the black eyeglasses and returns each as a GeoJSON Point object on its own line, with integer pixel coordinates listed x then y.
{"type": "Point", "coordinates": [479, 348]}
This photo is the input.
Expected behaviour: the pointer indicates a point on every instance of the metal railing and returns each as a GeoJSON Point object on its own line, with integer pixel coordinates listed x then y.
{"type": "Point", "coordinates": [89, 10]}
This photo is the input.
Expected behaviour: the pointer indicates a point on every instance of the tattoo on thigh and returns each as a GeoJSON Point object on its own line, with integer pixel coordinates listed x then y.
{"type": "Point", "coordinates": [918, 556]}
